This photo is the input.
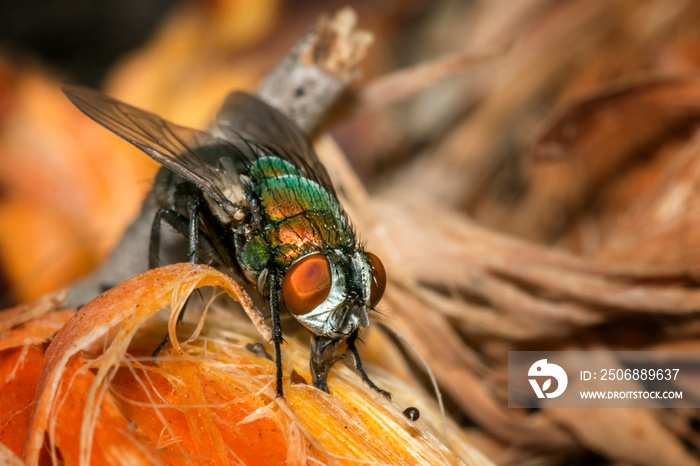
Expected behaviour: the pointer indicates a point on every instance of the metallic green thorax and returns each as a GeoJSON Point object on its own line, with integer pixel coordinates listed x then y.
{"type": "Point", "coordinates": [297, 217]}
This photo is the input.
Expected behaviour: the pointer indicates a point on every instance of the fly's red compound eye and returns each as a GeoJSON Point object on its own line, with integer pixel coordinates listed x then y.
{"type": "Point", "coordinates": [378, 284]}
{"type": "Point", "coordinates": [307, 284]}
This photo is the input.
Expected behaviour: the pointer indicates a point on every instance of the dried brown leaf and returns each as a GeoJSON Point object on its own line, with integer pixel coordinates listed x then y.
{"type": "Point", "coordinates": [628, 435]}
{"type": "Point", "coordinates": [626, 115]}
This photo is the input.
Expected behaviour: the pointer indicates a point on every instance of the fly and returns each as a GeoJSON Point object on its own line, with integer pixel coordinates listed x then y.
{"type": "Point", "coordinates": [252, 193]}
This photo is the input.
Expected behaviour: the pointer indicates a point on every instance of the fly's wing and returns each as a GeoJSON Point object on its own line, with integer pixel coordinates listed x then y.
{"type": "Point", "coordinates": [246, 119]}
{"type": "Point", "coordinates": [199, 157]}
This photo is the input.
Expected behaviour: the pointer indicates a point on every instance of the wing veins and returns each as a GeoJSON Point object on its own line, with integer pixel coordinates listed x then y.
{"type": "Point", "coordinates": [167, 143]}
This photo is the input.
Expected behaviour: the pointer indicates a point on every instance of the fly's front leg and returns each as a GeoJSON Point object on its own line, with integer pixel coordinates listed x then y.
{"type": "Point", "coordinates": [358, 365]}
{"type": "Point", "coordinates": [276, 330]}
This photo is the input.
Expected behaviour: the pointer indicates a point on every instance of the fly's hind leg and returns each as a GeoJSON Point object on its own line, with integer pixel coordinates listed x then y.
{"type": "Point", "coordinates": [188, 227]}
{"type": "Point", "coordinates": [358, 365]}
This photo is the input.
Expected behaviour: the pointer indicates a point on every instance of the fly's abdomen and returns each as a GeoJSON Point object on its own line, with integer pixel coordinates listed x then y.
{"type": "Point", "coordinates": [298, 216]}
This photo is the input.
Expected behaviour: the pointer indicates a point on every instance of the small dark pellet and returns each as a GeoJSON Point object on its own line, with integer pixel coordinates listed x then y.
{"type": "Point", "coordinates": [259, 350]}
{"type": "Point", "coordinates": [412, 413]}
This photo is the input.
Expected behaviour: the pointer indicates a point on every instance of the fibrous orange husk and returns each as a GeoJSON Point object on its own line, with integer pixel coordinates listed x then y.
{"type": "Point", "coordinates": [24, 331]}
{"type": "Point", "coordinates": [101, 398]}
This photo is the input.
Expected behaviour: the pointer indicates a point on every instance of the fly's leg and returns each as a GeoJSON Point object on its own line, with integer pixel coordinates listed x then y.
{"type": "Point", "coordinates": [186, 226]}
{"type": "Point", "coordinates": [175, 220]}
{"type": "Point", "coordinates": [276, 330]}
{"type": "Point", "coordinates": [193, 237]}
{"type": "Point", "coordinates": [182, 225]}
{"type": "Point", "coordinates": [162, 344]}
{"type": "Point", "coordinates": [358, 365]}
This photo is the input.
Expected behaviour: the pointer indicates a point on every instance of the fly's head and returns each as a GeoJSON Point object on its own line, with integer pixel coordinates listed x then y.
{"type": "Point", "coordinates": [330, 292]}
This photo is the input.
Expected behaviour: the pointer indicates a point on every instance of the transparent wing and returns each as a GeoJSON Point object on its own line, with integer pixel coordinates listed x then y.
{"type": "Point", "coordinates": [198, 156]}
{"type": "Point", "coordinates": [245, 117]}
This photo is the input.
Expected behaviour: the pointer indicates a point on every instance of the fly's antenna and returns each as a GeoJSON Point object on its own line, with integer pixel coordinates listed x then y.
{"type": "Point", "coordinates": [433, 380]}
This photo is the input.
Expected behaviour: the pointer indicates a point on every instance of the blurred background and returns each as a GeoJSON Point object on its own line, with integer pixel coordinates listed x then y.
{"type": "Point", "coordinates": [543, 198]}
